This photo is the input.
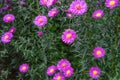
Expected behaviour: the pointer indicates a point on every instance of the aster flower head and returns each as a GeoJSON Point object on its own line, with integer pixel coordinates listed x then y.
{"type": "Point", "coordinates": [78, 7]}
{"type": "Point", "coordinates": [12, 30]}
{"type": "Point", "coordinates": [6, 37]}
{"type": "Point", "coordinates": [40, 33]}
{"type": "Point", "coordinates": [99, 52]}
{"type": "Point", "coordinates": [69, 36]}
{"type": "Point", "coordinates": [53, 12]}
{"type": "Point", "coordinates": [111, 3]}
{"type": "Point", "coordinates": [63, 63]}
{"type": "Point", "coordinates": [43, 2]}
{"type": "Point", "coordinates": [22, 2]}
{"type": "Point", "coordinates": [24, 68]}
{"type": "Point", "coordinates": [8, 18]}
{"type": "Point", "coordinates": [68, 71]}
{"type": "Point", "coordinates": [51, 70]}
{"type": "Point", "coordinates": [40, 21]}
{"type": "Point", "coordinates": [50, 3]}
{"type": "Point", "coordinates": [98, 14]}
{"type": "Point", "coordinates": [69, 15]}
{"type": "Point", "coordinates": [94, 72]}
{"type": "Point", "coordinates": [59, 76]}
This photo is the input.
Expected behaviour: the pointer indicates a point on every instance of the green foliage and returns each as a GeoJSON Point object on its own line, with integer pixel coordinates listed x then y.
{"type": "Point", "coordinates": [41, 52]}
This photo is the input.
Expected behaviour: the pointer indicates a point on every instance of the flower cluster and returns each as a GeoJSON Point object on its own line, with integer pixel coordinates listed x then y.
{"type": "Point", "coordinates": [64, 66]}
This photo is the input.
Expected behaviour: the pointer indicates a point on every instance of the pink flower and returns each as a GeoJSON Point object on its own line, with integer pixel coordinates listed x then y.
{"type": "Point", "coordinates": [6, 37]}
{"type": "Point", "coordinates": [40, 33]}
{"type": "Point", "coordinates": [69, 15]}
{"type": "Point", "coordinates": [98, 14]}
{"type": "Point", "coordinates": [78, 7]}
{"type": "Point", "coordinates": [47, 3]}
{"type": "Point", "coordinates": [59, 76]}
{"type": "Point", "coordinates": [12, 30]}
{"type": "Point", "coordinates": [111, 3]}
{"type": "Point", "coordinates": [43, 2]}
{"type": "Point", "coordinates": [94, 72]}
{"type": "Point", "coordinates": [68, 71]}
{"type": "Point", "coordinates": [69, 36]}
{"type": "Point", "coordinates": [99, 52]}
{"type": "Point", "coordinates": [51, 2]}
{"type": "Point", "coordinates": [40, 21]}
{"type": "Point", "coordinates": [53, 12]}
{"type": "Point", "coordinates": [51, 70]}
{"type": "Point", "coordinates": [63, 63]}
{"type": "Point", "coordinates": [8, 18]}
{"type": "Point", "coordinates": [24, 68]}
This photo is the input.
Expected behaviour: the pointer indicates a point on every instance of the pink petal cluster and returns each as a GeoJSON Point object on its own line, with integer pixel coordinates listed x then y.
{"type": "Point", "coordinates": [59, 76]}
{"type": "Point", "coordinates": [78, 7]}
{"type": "Point", "coordinates": [69, 36]}
{"type": "Point", "coordinates": [68, 71]}
{"type": "Point", "coordinates": [94, 72]}
{"type": "Point", "coordinates": [98, 14]}
{"type": "Point", "coordinates": [69, 15]}
{"type": "Point", "coordinates": [63, 63]}
{"type": "Point", "coordinates": [8, 18]}
{"type": "Point", "coordinates": [23, 68]}
{"type": "Point", "coordinates": [12, 30]}
{"type": "Point", "coordinates": [40, 21]}
{"type": "Point", "coordinates": [51, 70]}
{"type": "Point", "coordinates": [6, 37]}
{"type": "Point", "coordinates": [47, 3]}
{"type": "Point", "coordinates": [40, 33]}
{"type": "Point", "coordinates": [112, 3]}
{"type": "Point", "coordinates": [53, 12]}
{"type": "Point", "coordinates": [99, 52]}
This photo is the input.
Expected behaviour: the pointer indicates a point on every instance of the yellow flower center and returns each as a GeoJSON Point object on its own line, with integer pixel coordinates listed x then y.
{"type": "Point", "coordinates": [9, 18]}
{"type": "Point", "coordinates": [98, 52]}
{"type": "Point", "coordinates": [11, 30]}
{"type": "Point", "coordinates": [51, 70]}
{"type": "Point", "coordinates": [6, 37]}
{"type": "Point", "coordinates": [68, 71]}
{"type": "Point", "coordinates": [95, 72]}
{"type": "Point", "coordinates": [78, 7]}
{"type": "Point", "coordinates": [40, 20]}
{"type": "Point", "coordinates": [63, 65]}
{"type": "Point", "coordinates": [24, 68]}
{"type": "Point", "coordinates": [59, 78]}
{"type": "Point", "coordinates": [112, 3]}
{"type": "Point", "coordinates": [98, 14]}
{"type": "Point", "coordinates": [69, 36]}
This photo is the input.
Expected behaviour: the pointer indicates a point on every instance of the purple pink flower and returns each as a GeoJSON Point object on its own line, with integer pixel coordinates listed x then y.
{"type": "Point", "coordinates": [12, 30]}
{"type": "Point", "coordinates": [69, 15]}
{"type": "Point", "coordinates": [111, 3]}
{"type": "Point", "coordinates": [94, 72]}
{"type": "Point", "coordinates": [40, 33]}
{"type": "Point", "coordinates": [6, 37]}
{"type": "Point", "coordinates": [40, 21]}
{"type": "Point", "coordinates": [98, 14]}
{"type": "Point", "coordinates": [99, 52]}
{"type": "Point", "coordinates": [59, 76]}
{"type": "Point", "coordinates": [24, 68]}
{"type": "Point", "coordinates": [78, 7]}
{"type": "Point", "coordinates": [53, 12]}
{"type": "Point", "coordinates": [63, 63]}
{"type": "Point", "coordinates": [43, 2]}
{"type": "Point", "coordinates": [51, 70]}
{"type": "Point", "coordinates": [8, 18]}
{"type": "Point", "coordinates": [68, 36]}
{"type": "Point", "coordinates": [68, 71]}
{"type": "Point", "coordinates": [51, 2]}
